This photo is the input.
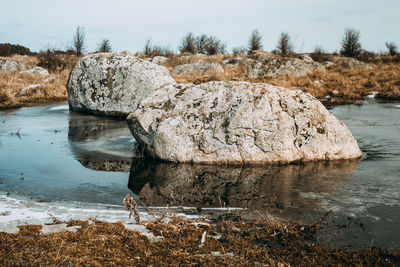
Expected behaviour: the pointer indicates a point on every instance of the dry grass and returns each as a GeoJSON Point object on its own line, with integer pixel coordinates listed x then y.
{"type": "Point", "coordinates": [12, 83]}
{"type": "Point", "coordinates": [227, 244]}
{"type": "Point", "coordinates": [345, 86]}
{"type": "Point", "coordinates": [27, 60]}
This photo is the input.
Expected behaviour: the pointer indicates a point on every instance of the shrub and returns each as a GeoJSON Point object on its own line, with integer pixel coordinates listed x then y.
{"type": "Point", "coordinates": [239, 50]}
{"type": "Point", "coordinates": [201, 43]}
{"type": "Point", "coordinates": [392, 48]}
{"type": "Point", "coordinates": [284, 46]}
{"type": "Point", "coordinates": [350, 43]}
{"type": "Point", "coordinates": [104, 46]}
{"type": "Point", "coordinates": [255, 42]}
{"type": "Point", "coordinates": [319, 55]}
{"type": "Point", "coordinates": [214, 46]}
{"type": "Point", "coordinates": [51, 60]}
{"type": "Point", "coordinates": [11, 49]}
{"type": "Point", "coordinates": [188, 44]}
{"type": "Point", "coordinates": [156, 50]}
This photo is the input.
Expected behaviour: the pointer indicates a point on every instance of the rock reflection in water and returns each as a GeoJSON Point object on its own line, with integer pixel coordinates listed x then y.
{"type": "Point", "coordinates": [301, 186]}
{"type": "Point", "coordinates": [101, 143]}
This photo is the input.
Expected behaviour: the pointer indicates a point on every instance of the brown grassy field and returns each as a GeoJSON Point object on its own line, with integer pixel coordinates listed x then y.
{"type": "Point", "coordinates": [227, 243]}
{"type": "Point", "coordinates": [343, 85]}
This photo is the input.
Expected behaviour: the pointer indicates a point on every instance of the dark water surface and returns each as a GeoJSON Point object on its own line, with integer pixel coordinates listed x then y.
{"type": "Point", "coordinates": [50, 154]}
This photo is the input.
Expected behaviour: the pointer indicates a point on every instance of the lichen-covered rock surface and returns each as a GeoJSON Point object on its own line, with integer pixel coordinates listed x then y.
{"type": "Point", "coordinates": [8, 65]}
{"type": "Point", "coordinates": [238, 123]}
{"type": "Point", "coordinates": [113, 84]}
{"type": "Point", "coordinates": [279, 66]}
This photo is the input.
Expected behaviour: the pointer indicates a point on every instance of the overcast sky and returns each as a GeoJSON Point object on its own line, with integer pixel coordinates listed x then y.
{"type": "Point", "coordinates": [38, 24]}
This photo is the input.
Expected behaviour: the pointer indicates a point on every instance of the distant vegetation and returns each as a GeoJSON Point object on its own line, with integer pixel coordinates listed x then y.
{"type": "Point", "coordinates": [351, 46]}
{"type": "Point", "coordinates": [104, 46]}
{"type": "Point", "coordinates": [203, 44]}
{"type": "Point", "coordinates": [156, 50]}
{"type": "Point", "coordinates": [78, 43]}
{"type": "Point", "coordinates": [11, 49]}
{"type": "Point", "coordinates": [392, 48]}
{"type": "Point", "coordinates": [255, 42]}
{"type": "Point", "coordinates": [284, 47]}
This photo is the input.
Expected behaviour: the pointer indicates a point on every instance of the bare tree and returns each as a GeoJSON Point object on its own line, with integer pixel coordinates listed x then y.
{"type": "Point", "coordinates": [104, 46]}
{"type": "Point", "coordinates": [255, 41]}
{"type": "Point", "coordinates": [78, 41]}
{"type": "Point", "coordinates": [284, 46]}
{"type": "Point", "coordinates": [351, 46]}
{"type": "Point", "coordinates": [392, 48]}
{"type": "Point", "coordinates": [188, 44]}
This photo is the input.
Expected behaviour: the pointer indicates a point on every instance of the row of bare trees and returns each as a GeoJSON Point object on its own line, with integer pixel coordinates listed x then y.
{"type": "Point", "coordinates": [208, 44]}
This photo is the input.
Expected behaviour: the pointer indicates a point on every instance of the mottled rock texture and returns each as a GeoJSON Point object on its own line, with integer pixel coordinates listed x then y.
{"type": "Point", "coordinates": [7, 66]}
{"type": "Point", "coordinates": [198, 67]}
{"type": "Point", "coordinates": [238, 123]}
{"type": "Point", "coordinates": [113, 84]}
{"type": "Point", "coordinates": [36, 70]}
{"type": "Point", "coordinates": [279, 66]}
{"type": "Point", "coordinates": [351, 63]}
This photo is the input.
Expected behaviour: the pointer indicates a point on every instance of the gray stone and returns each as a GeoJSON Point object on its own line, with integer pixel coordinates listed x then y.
{"type": "Point", "coordinates": [36, 70]}
{"type": "Point", "coordinates": [198, 67]}
{"type": "Point", "coordinates": [113, 84]}
{"type": "Point", "coordinates": [351, 63]}
{"type": "Point", "coordinates": [238, 123]}
{"type": "Point", "coordinates": [276, 66]}
{"type": "Point", "coordinates": [8, 65]}
{"type": "Point", "coordinates": [306, 58]}
{"type": "Point", "coordinates": [28, 90]}
{"type": "Point", "coordinates": [160, 60]}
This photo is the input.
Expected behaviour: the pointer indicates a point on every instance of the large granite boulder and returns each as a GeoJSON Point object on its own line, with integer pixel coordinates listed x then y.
{"type": "Point", "coordinates": [198, 67]}
{"type": "Point", "coordinates": [238, 123]}
{"type": "Point", "coordinates": [279, 66]}
{"type": "Point", "coordinates": [113, 84]}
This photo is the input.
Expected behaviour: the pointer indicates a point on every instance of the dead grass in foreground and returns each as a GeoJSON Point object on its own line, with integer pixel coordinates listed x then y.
{"type": "Point", "coordinates": [227, 244]}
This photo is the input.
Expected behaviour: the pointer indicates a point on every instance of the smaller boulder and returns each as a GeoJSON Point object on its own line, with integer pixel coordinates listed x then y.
{"type": "Point", "coordinates": [29, 89]}
{"type": "Point", "coordinates": [113, 84]}
{"type": "Point", "coordinates": [306, 58]}
{"type": "Point", "coordinates": [198, 67]}
{"type": "Point", "coordinates": [275, 67]}
{"type": "Point", "coordinates": [8, 65]}
{"type": "Point", "coordinates": [351, 63]}
{"type": "Point", "coordinates": [36, 70]}
{"type": "Point", "coordinates": [160, 60]}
